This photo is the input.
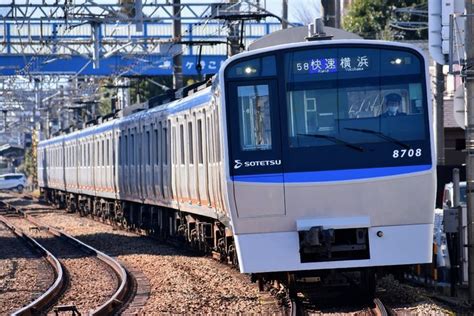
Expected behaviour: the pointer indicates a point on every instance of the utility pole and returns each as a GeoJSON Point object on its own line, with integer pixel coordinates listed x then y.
{"type": "Point", "coordinates": [337, 14]}
{"type": "Point", "coordinates": [469, 95]}
{"type": "Point", "coordinates": [178, 57]}
{"type": "Point", "coordinates": [233, 36]}
{"type": "Point", "coordinates": [439, 100]}
{"type": "Point", "coordinates": [284, 23]}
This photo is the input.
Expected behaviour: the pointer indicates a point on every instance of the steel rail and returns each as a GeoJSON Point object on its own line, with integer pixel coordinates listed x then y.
{"type": "Point", "coordinates": [380, 309]}
{"type": "Point", "coordinates": [52, 293]}
{"type": "Point", "coordinates": [117, 299]}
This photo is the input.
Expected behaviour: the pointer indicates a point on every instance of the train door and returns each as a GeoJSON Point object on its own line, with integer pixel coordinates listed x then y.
{"type": "Point", "coordinates": [202, 181]}
{"type": "Point", "coordinates": [255, 148]}
{"type": "Point", "coordinates": [138, 168]}
{"type": "Point", "coordinates": [130, 162]}
{"type": "Point", "coordinates": [66, 165]}
{"type": "Point", "coordinates": [175, 160]}
{"type": "Point", "coordinates": [118, 160]}
{"type": "Point", "coordinates": [108, 148]}
{"type": "Point", "coordinates": [183, 161]}
{"type": "Point", "coordinates": [210, 159]}
{"type": "Point", "coordinates": [165, 173]}
{"type": "Point", "coordinates": [157, 160]}
{"type": "Point", "coordinates": [108, 160]}
{"type": "Point", "coordinates": [133, 162]}
{"type": "Point", "coordinates": [99, 163]}
{"type": "Point", "coordinates": [214, 165]}
{"type": "Point", "coordinates": [192, 169]}
{"type": "Point", "coordinates": [148, 150]}
{"type": "Point", "coordinates": [94, 163]}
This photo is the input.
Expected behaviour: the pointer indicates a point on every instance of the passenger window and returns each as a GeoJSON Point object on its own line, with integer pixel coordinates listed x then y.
{"type": "Point", "coordinates": [254, 117]}
{"type": "Point", "coordinates": [148, 147]}
{"type": "Point", "coordinates": [125, 150]}
{"type": "Point", "coordinates": [108, 149]}
{"type": "Point", "coordinates": [181, 136]}
{"type": "Point", "coordinates": [157, 145]}
{"type": "Point", "coordinates": [132, 149]}
{"type": "Point", "coordinates": [120, 141]}
{"type": "Point", "coordinates": [190, 142]}
{"type": "Point", "coordinates": [199, 131]}
{"type": "Point", "coordinates": [209, 140]}
{"type": "Point", "coordinates": [218, 139]}
{"type": "Point", "coordinates": [173, 132]}
{"type": "Point", "coordinates": [165, 145]}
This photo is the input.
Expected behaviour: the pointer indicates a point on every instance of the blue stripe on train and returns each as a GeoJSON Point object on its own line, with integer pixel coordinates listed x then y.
{"type": "Point", "coordinates": [331, 175]}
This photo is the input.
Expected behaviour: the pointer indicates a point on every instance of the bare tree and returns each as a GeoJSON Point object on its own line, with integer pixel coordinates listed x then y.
{"type": "Point", "coordinates": [305, 11]}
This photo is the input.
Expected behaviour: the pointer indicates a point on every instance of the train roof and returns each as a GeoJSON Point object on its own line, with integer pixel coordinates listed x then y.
{"type": "Point", "coordinates": [297, 35]}
{"type": "Point", "coordinates": [200, 97]}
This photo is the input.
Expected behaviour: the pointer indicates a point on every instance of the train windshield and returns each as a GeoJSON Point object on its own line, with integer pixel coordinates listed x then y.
{"type": "Point", "coordinates": [347, 94]}
{"type": "Point", "coordinates": [327, 108]}
{"type": "Point", "coordinates": [356, 107]}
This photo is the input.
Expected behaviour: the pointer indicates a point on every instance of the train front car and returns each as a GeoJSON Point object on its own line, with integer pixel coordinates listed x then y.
{"type": "Point", "coordinates": [330, 156]}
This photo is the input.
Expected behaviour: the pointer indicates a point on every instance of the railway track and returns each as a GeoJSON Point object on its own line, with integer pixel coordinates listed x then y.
{"type": "Point", "coordinates": [90, 281]}
{"type": "Point", "coordinates": [173, 280]}
{"type": "Point", "coordinates": [51, 269]}
{"type": "Point", "coordinates": [297, 308]}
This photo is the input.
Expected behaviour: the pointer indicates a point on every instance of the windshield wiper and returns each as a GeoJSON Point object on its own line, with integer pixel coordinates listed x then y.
{"type": "Point", "coordinates": [379, 134]}
{"type": "Point", "coordinates": [334, 140]}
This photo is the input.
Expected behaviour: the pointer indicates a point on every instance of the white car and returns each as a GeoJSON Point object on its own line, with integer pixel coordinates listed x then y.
{"type": "Point", "coordinates": [11, 181]}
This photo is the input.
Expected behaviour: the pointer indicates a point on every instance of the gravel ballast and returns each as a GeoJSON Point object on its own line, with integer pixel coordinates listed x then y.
{"type": "Point", "coordinates": [180, 282]}
{"type": "Point", "coordinates": [90, 282]}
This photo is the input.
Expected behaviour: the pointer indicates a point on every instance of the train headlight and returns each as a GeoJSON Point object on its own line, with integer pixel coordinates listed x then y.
{"type": "Point", "coordinates": [397, 61]}
{"type": "Point", "coordinates": [249, 70]}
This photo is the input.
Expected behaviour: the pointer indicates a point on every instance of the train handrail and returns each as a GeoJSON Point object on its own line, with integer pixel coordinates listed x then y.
{"type": "Point", "coordinates": [50, 294]}
{"type": "Point", "coordinates": [108, 307]}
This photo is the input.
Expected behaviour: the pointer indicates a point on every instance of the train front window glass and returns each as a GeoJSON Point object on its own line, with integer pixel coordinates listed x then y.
{"type": "Point", "coordinates": [254, 117]}
{"type": "Point", "coordinates": [354, 96]}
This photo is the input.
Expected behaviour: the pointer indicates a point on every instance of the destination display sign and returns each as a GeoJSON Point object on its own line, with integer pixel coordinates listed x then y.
{"type": "Point", "coordinates": [331, 65]}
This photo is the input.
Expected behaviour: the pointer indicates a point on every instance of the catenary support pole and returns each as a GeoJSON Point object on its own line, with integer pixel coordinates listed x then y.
{"type": "Point", "coordinates": [439, 100]}
{"type": "Point", "coordinates": [233, 35]}
{"type": "Point", "coordinates": [284, 15]}
{"type": "Point", "coordinates": [177, 57]}
{"type": "Point", "coordinates": [469, 99]}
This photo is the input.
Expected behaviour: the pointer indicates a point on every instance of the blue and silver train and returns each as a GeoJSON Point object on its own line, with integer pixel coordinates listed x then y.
{"type": "Point", "coordinates": [300, 157]}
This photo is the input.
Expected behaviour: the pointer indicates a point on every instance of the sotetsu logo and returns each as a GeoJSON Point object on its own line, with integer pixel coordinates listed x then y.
{"type": "Point", "coordinates": [258, 163]}
{"type": "Point", "coordinates": [238, 164]}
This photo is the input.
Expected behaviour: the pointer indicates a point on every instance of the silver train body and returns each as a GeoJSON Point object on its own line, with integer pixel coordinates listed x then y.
{"type": "Point", "coordinates": [290, 149]}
